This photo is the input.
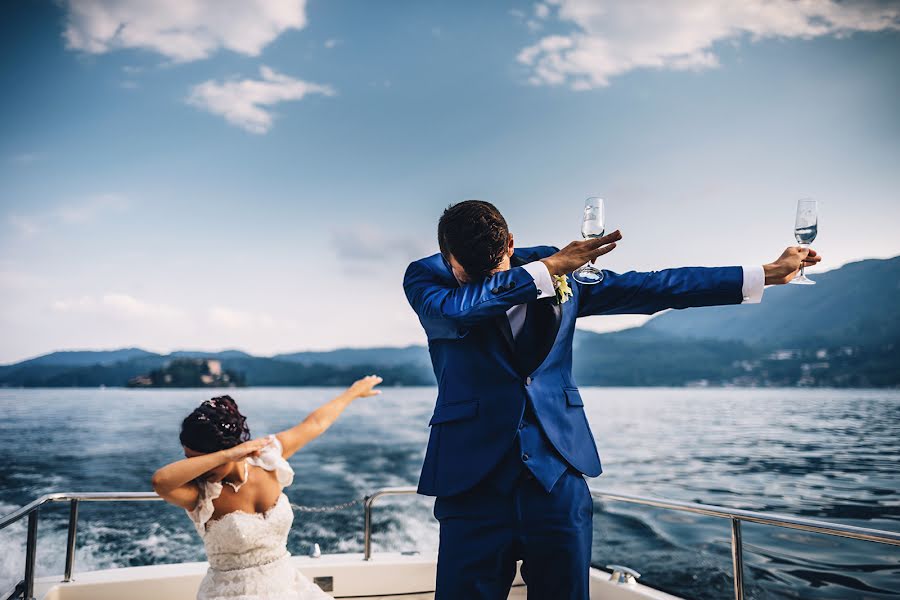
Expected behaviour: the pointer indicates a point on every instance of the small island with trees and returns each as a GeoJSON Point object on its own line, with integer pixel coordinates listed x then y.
{"type": "Point", "coordinates": [189, 372]}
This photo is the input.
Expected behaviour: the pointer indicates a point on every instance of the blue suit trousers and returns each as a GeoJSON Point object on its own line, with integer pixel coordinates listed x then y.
{"type": "Point", "coordinates": [484, 531]}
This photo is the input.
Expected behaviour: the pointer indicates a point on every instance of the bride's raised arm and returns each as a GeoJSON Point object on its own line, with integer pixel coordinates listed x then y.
{"type": "Point", "coordinates": [321, 419]}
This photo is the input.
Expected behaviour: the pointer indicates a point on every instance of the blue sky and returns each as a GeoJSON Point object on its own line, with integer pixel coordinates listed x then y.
{"type": "Point", "coordinates": [256, 175]}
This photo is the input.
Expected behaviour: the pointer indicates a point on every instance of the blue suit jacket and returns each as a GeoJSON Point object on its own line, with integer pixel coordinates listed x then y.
{"type": "Point", "coordinates": [482, 395]}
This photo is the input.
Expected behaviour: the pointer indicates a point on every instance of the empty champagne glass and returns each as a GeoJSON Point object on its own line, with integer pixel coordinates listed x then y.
{"type": "Point", "coordinates": [805, 229]}
{"type": "Point", "coordinates": [593, 225]}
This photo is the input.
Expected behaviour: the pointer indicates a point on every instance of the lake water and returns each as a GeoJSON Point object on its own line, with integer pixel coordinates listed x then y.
{"type": "Point", "coordinates": [828, 454]}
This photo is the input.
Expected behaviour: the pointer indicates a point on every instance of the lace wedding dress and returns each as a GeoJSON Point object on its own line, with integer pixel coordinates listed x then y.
{"type": "Point", "coordinates": [247, 552]}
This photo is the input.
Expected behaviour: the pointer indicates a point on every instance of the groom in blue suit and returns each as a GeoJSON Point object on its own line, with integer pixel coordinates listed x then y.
{"type": "Point", "coordinates": [510, 444]}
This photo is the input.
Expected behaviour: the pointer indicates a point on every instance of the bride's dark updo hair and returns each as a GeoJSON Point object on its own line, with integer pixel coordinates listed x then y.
{"type": "Point", "coordinates": [215, 425]}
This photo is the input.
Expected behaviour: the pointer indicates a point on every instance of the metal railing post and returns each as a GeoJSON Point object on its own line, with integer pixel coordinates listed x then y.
{"type": "Point", "coordinates": [367, 515]}
{"type": "Point", "coordinates": [737, 559]}
{"type": "Point", "coordinates": [70, 540]}
{"type": "Point", "coordinates": [31, 554]}
{"type": "Point", "coordinates": [367, 528]}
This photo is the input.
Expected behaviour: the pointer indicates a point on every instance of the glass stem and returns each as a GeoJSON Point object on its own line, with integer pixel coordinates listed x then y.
{"type": "Point", "coordinates": [802, 268]}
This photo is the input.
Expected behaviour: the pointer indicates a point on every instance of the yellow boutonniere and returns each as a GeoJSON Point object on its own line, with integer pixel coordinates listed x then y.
{"type": "Point", "coordinates": [563, 291]}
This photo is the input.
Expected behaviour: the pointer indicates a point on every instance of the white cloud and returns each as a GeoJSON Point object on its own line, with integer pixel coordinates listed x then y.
{"type": "Point", "coordinates": [612, 38]}
{"type": "Point", "coordinates": [333, 43]}
{"type": "Point", "coordinates": [26, 226]}
{"type": "Point", "coordinates": [541, 11]}
{"type": "Point", "coordinates": [119, 305]}
{"type": "Point", "coordinates": [74, 213]}
{"type": "Point", "coordinates": [128, 306]}
{"type": "Point", "coordinates": [26, 158]}
{"type": "Point", "coordinates": [14, 278]}
{"type": "Point", "coordinates": [247, 102]}
{"type": "Point", "coordinates": [367, 242]}
{"type": "Point", "coordinates": [181, 30]}
{"type": "Point", "coordinates": [229, 318]}
{"type": "Point", "coordinates": [90, 209]}
{"type": "Point", "coordinates": [124, 309]}
{"type": "Point", "coordinates": [607, 323]}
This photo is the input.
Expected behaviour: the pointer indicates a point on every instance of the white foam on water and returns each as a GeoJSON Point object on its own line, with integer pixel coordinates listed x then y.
{"type": "Point", "coordinates": [41, 483]}
{"type": "Point", "coordinates": [402, 525]}
{"type": "Point", "coordinates": [163, 546]}
{"type": "Point", "coordinates": [50, 556]}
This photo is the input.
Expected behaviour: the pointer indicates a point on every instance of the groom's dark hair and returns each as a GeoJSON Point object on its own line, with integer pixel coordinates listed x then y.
{"type": "Point", "coordinates": [475, 233]}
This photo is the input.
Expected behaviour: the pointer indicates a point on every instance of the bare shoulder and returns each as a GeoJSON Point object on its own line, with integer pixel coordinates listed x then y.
{"type": "Point", "coordinates": [185, 497]}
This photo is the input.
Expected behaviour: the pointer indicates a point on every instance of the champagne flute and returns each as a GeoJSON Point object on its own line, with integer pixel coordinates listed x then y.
{"type": "Point", "coordinates": [593, 225]}
{"type": "Point", "coordinates": [805, 229]}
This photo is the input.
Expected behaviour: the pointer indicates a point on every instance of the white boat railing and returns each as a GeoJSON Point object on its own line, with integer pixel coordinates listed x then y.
{"type": "Point", "coordinates": [25, 588]}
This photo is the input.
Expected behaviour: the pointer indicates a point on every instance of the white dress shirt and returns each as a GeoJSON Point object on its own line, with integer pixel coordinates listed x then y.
{"type": "Point", "coordinates": [752, 290]}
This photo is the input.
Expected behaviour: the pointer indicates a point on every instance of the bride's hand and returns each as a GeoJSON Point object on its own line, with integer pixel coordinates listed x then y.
{"type": "Point", "coordinates": [251, 448]}
{"type": "Point", "coordinates": [365, 387]}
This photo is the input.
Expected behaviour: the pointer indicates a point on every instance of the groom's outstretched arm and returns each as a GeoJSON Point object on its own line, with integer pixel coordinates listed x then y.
{"type": "Point", "coordinates": [648, 293]}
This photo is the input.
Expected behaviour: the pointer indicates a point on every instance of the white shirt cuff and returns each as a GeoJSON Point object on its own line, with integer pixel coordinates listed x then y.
{"type": "Point", "coordinates": [754, 284]}
{"type": "Point", "coordinates": [542, 279]}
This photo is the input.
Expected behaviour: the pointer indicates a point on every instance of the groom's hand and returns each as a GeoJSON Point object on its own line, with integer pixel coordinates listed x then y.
{"type": "Point", "coordinates": [581, 252]}
{"type": "Point", "coordinates": [788, 264]}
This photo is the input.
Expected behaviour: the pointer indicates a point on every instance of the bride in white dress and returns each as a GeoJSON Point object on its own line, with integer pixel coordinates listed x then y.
{"type": "Point", "coordinates": [231, 487]}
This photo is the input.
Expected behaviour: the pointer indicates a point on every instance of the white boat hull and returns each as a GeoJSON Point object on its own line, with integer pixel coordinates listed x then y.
{"type": "Point", "coordinates": [385, 576]}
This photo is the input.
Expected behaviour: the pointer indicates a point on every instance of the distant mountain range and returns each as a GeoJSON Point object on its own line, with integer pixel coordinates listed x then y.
{"type": "Point", "coordinates": [843, 332]}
